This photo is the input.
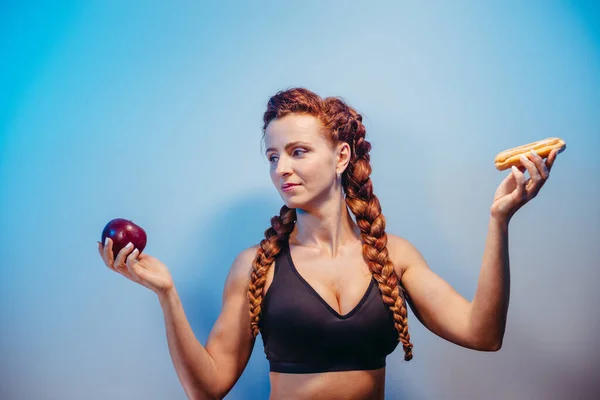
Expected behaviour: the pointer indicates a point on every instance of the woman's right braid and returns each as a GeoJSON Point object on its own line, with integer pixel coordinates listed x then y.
{"type": "Point", "coordinates": [342, 124]}
{"type": "Point", "coordinates": [365, 205]}
{"type": "Point", "coordinates": [275, 236]}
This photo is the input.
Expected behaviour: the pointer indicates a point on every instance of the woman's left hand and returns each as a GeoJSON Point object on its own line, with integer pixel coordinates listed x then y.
{"type": "Point", "coordinates": [515, 191]}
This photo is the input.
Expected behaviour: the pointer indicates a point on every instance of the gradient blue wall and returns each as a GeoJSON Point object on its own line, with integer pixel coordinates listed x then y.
{"type": "Point", "coordinates": [152, 112]}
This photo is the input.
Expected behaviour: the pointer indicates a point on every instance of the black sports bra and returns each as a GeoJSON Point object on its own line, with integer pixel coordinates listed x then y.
{"type": "Point", "coordinates": [302, 334]}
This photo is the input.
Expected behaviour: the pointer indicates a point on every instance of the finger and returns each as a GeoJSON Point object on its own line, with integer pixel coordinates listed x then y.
{"type": "Point", "coordinates": [519, 176]}
{"type": "Point", "coordinates": [107, 253]}
{"type": "Point", "coordinates": [132, 262]}
{"type": "Point", "coordinates": [539, 163]}
{"type": "Point", "coordinates": [530, 166]}
{"type": "Point", "coordinates": [120, 260]}
{"type": "Point", "coordinates": [550, 160]}
{"type": "Point", "coordinates": [520, 181]}
{"type": "Point", "coordinates": [535, 178]}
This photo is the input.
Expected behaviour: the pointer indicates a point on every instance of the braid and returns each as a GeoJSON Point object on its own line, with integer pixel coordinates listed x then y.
{"type": "Point", "coordinates": [365, 206]}
{"type": "Point", "coordinates": [281, 227]}
{"type": "Point", "coordinates": [281, 104]}
{"type": "Point", "coordinates": [342, 124]}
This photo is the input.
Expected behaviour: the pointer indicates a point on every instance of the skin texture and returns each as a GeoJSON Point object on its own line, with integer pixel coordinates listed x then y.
{"type": "Point", "coordinates": [327, 250]}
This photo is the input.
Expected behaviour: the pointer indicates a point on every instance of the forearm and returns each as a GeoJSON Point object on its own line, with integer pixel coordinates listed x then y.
{"type": "Point", "coordinates": [490, 304]}
{"type": "Point", "coordinates": [195, 367]}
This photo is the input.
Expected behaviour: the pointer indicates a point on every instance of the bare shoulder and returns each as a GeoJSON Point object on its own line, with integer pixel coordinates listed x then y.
{"type": "Point", "coordinates": [404, 255]}
{"type": "Point", "coordinates": [242, 266]}
{"type": "Point", "coordinates": [243, 261]}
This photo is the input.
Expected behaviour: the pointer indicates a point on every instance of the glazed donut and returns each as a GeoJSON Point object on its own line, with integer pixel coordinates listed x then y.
{"type": "Point", "coordinates": [510, 157]}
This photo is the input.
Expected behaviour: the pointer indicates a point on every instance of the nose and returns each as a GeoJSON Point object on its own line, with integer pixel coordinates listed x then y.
{"type": "Point", "coordinates": [284, 166]}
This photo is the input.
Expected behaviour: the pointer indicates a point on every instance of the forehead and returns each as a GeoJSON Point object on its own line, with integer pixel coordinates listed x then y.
{"type": "Point", "coordinates": [294, 127]}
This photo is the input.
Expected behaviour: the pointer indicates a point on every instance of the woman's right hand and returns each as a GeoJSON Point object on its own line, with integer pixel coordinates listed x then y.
{"type": "Point", "coordinates": [140, 268]}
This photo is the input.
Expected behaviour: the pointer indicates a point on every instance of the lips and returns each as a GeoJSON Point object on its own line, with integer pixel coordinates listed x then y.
{"type": "Point", "coordinates": [288, 186]}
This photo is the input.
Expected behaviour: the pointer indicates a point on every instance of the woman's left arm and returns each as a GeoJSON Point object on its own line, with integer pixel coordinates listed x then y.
{"type": "Point", "coordinates": [478, 324]}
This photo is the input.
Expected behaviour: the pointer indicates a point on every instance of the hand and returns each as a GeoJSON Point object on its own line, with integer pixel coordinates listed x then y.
{"type": "Point", "coordinates": [140, 268]}
{"type": "Point", "coordinates": [515, 191]}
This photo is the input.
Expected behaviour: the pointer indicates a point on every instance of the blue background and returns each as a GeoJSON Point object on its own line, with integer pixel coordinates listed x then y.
{"type": "Point", "coordinates": [152, 112]}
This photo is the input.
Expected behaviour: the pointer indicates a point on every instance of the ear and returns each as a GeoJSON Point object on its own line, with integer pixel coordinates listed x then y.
{"type": "Point", "coordinates": [343, 156]}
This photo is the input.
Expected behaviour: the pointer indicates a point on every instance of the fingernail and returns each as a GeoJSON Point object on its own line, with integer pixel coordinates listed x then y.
{"type": "Point", "coordinates": [534, 152]}
{"type": "Point", "coordinates": [523, 158]}
{"type": "Point", "coordinates": [129, 245]}
{"type": "Point", "coordinates": [106, 241]}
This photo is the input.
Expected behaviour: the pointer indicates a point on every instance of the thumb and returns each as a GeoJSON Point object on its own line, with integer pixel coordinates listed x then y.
{"type": "Point", "coordinates": [520, 181]}
{"type": "Point", "coordinates": [507, 183]}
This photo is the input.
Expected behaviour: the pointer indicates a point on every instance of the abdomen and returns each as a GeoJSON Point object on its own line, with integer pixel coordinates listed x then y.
{"type": "Point", "coordinates": [355, 385]}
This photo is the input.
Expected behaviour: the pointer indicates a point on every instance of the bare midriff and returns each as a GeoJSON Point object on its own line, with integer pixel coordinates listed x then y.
{"type": "Point", "coordinates": [356, 385]}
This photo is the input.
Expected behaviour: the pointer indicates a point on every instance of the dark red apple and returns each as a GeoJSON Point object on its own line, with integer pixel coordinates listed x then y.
{"type": "Point", "coordinates": [122, 231]}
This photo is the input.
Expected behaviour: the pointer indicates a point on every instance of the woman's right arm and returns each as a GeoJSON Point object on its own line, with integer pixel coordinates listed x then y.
{"type": "Point", "coordinates": [205, 372]}
{"type": "Point", "coordinates": [211, 371]}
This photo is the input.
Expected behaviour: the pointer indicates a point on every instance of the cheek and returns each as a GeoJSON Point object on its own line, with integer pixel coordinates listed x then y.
{"type": "Point", "coordinates": [318, 171]}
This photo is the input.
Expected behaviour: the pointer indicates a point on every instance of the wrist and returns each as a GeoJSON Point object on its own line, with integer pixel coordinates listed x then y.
{"type": "Point", "coordinates": [167, 296]}
{"type": "Point", "coordinates": [499, 222]}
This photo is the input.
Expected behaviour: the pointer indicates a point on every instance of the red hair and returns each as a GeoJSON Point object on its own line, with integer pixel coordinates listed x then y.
{"type": "Point", "coordinates": [341, 124]}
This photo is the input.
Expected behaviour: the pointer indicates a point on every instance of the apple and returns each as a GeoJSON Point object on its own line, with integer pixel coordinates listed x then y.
{"type": "Point", "coordinates": [122, 231]}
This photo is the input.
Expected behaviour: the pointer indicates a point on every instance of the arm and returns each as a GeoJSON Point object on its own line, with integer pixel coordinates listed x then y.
{"type": "Point", "coordinates": [211, 371]}
{"type": "Point", "coordinates": [487, 317]}
{"type": "Point", "coordinates": [479, 324]}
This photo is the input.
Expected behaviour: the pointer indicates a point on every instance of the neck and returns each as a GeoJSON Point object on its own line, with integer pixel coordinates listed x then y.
{"type": "Point", "coordinates": [330, 227]}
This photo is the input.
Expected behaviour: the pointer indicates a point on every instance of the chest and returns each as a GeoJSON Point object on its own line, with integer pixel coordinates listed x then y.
{"type": "Point", "coordinates": [340, 282]}
{"type": "Point", "coordinates": [323, 312]}
{"type": "Point", "coordinates": [297, 319]}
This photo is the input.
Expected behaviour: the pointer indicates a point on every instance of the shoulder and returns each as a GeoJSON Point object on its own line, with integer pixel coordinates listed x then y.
{"type": "Point", "coordinates": [246, 257]}
{"type": "Point", "coordinates": [404, 255]}
{"type": "Point", "coordinates": [241, 267]}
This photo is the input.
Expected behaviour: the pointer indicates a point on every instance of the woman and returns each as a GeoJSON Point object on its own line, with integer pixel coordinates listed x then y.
{"type": "Point", "coordinates": [327, 291]}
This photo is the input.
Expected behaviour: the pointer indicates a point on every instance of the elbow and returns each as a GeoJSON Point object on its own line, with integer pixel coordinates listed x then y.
{"type": "Point", "coordinates": [217, 393]}
{"type": "Point", "coordinates": [213, 387]}
{"type": "Point", "coordinates": [488, 339]}
{"type": "Point", "coordinates": [196, 392]}
{"type": "Point", "coordinates": [495, 342]}
{"type": "Point", "coordinates": [494, 346]}
{"type": "Point", "coordinates": [489, 344]}
{"type": "Point", "coordinates": [202, 395]}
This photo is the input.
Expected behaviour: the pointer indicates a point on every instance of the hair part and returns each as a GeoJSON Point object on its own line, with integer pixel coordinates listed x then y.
{"type": "Point", "coordinates": [341, 124]}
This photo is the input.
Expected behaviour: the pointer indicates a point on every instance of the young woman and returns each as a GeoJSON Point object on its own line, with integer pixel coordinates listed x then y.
{"type": "Point", "coordinates": [327, 287]}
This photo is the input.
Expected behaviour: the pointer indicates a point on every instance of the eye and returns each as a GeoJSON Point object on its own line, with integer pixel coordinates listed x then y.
{"type": "Point", "coordinates": [299, 152]}
{"type": "Point", "coordinates": [272, 158]}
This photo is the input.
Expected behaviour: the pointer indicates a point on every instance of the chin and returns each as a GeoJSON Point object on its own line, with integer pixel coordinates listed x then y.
{"type": "Point", "coordinates": [293, 202]}
{"type": "Point", "coordinates": [302, 201]}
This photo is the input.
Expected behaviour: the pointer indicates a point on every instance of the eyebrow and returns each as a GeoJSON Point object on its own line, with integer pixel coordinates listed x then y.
{"type": "Point", "coordinates": [289, 145]}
